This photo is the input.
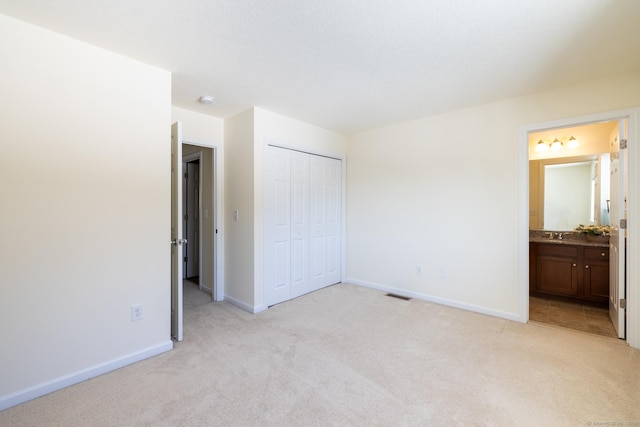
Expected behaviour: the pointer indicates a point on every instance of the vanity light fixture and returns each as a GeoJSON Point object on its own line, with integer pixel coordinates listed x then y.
{"type": "Point", "coordinates": [556, 144]}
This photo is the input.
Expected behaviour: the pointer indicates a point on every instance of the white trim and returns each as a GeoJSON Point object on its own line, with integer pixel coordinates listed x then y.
{"type": "Point", "coordinates": [633, 230]}
{"type": "Point", "coordinates": [244, 306]}
{"type": "Point", "coordinates": [217, 198]}
{"type": "Point", "coordinates": [523, 231]}
{"type": "Point", "coordinates": [59, 383]}
{"type": "Point", "coordinates": [218, 204]}
{"type": "Point", "coordinates": [437, 300]}
{"type": "Point", "coordinates": [632, 115]}
{"type": "Point", "coordinates": [343, 270]}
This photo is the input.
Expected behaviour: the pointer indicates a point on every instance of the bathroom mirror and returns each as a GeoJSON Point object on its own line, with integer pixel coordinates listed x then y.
{"type": "Point", "coordinates": [570, 191]}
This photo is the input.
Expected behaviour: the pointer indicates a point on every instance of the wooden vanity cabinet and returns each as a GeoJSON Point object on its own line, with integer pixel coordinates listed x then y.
{"type": "Point", "coordinates": [574, 271]}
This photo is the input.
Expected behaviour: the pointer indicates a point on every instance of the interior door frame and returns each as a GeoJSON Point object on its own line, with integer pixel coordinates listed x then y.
{"type": "Point", "coordinates": [218, 220]}
{"type": "Point", "coordinates": [632, 115]}
{"type": "Point", "coordinates": [186, 159]}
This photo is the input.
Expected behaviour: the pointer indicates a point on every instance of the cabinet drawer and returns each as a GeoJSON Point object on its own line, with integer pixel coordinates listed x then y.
{"type": "Point", "coordinates": [557, 250]}
{"type": "Point", "coordinates": [596, 253]}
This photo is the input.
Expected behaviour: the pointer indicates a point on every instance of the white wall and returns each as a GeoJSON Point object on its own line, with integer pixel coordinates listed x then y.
{"type": "Point", "coordinates": [246, 135]}
{"type": "Point", "coordinates": [85, 218]}
{"type": "Point", "coordinates": [239, 178]}
{"type": "Point", "coordinates": [442, 192]}
{"type": "Point", "coordinates": [198, 128]}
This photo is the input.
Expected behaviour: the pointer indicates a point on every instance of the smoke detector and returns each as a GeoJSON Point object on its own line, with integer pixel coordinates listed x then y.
{"type": "Point", "coordinates": [206, 100]}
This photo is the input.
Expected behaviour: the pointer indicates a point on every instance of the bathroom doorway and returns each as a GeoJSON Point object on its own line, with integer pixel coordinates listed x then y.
{"type": "Point", "coordinates": [576, 305]}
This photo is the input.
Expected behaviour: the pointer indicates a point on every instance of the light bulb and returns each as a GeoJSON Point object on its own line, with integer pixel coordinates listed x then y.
{"type": "Point", "coordinates": [541, 146]}
{"type": "Point", "coordinates": [556, 144]}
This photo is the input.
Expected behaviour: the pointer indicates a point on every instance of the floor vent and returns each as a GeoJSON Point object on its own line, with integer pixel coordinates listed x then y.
{"type": "Point", "coordinates": [399, 297]}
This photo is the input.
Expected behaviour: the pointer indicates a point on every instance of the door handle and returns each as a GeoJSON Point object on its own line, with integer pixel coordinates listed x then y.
{"type": "Point", "coordinates": [178, 242]}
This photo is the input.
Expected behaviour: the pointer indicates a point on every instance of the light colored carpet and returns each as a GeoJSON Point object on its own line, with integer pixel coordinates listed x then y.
{"type": "Point", "coordinates": [348, 355]}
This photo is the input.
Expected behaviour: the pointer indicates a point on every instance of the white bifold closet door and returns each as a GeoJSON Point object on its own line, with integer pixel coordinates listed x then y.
{"type": "Point", "coordinates": [303, 204]}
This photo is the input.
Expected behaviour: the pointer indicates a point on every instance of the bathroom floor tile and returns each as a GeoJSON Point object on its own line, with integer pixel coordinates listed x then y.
{"type": "Point", "coordinates": [571, 315]}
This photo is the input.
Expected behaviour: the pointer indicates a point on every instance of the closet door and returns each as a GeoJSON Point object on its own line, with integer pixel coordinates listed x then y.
{"type": "Point", "coordinates": [325, 204]}
{"type": "Point", "coordinates": [302, 211]}
{"type": "Point", "coordinates": [299, 224]}
{"type": "Point", "coordinates": [277, 217]}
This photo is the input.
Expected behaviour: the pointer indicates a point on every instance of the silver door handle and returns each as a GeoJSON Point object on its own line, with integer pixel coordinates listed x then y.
{"type": "Point", "coordinates": [178, 242]}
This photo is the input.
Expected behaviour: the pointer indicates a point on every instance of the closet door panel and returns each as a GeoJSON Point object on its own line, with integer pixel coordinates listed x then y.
{"type": "Point", "coordinates": [317, 207]}
{"type": "Point", "coordinates": [299, 223]}
{"type": "Point", "coordinates": [277, 214]}
{"type": "Point", "coordinates": [333, 225]}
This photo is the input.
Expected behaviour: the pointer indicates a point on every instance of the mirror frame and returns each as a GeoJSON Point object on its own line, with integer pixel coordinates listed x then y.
{"type": "Point", "coordinates": [557, 161]}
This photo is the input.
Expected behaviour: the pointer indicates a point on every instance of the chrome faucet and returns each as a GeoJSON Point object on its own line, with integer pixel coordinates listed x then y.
{"type": "Point", "coordinates": [555, 235]}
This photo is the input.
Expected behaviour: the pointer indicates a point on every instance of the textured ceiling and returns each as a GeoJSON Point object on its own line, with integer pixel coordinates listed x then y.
{"type": "Point", "coordinates": [352, 65]}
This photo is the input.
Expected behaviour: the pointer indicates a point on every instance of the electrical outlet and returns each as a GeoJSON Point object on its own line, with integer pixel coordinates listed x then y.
{"type": "Point", "coordinates": [137, 312]}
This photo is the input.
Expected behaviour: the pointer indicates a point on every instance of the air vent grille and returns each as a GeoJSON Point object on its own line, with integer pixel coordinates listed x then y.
{"type": "Point", "coordinates": [399, 297]}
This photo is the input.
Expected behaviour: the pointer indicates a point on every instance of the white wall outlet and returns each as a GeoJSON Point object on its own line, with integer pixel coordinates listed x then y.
{"type": "Point", "coordinates": [137, 312]}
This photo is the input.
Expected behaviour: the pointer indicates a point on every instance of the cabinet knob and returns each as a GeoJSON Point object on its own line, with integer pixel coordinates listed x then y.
{"type": "Point", "coordinates": [586, 266]}
{"type": "Point", "coordinates": [603, 254]}
{"type": "Point", "coordinates": [574, 265]}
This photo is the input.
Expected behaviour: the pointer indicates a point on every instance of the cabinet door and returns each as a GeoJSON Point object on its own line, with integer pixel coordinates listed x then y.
{"type": "Point", "coordinates": [557, 275]}
{"type": "Point", "coordinates": [533, 281]}
{"type": "Point", "coordinates": [596, 280]}
{"type": "Point", "coordinates": [596, 274]}
{"type": "Point", "coordinates": [557, 269]}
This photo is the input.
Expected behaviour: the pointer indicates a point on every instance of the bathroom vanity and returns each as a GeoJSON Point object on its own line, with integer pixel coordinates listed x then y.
{"type": "Point", "coordinates": [569, 266]}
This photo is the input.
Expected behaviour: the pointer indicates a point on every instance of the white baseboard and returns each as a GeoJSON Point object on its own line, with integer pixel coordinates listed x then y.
{"type": "Point", "coordinates": [244, 306]}
{"type": "Point", "coordinates": [47, 387]}
{"type": "Point", "coordinates": [443, 301]}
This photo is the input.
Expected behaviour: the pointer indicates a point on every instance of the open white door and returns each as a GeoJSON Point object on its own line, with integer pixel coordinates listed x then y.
{"type": "Point", "coordinates": [617, 241]}
{"type": "Point", "coordinates": [176, 231]}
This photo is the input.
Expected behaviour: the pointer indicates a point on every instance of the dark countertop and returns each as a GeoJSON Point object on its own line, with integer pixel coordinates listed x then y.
{"type": "Point", "coordinates": [567, 242]}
